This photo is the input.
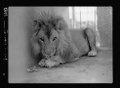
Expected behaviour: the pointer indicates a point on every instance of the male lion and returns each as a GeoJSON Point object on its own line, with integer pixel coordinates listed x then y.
{"type": "Point", "coordinates": [52, 42]}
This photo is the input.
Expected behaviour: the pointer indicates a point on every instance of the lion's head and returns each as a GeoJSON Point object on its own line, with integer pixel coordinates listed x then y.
{"type": "Point", "coordinates": [49, 34]}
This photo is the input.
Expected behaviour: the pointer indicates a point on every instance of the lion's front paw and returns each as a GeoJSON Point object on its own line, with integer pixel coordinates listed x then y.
{"type": "Point", "coordinates": [42, 63]}
{"type": "Point", "coordinates": [54, 61]}
{"type": "Point", "coordinates": [50, 63]}
{"type": "Point", "coordinates": [47, 63]}
{"type": "Point", "coordinates": [92, 53]}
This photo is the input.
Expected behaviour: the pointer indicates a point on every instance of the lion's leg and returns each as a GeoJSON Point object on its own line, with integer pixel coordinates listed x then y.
{"type": "Point", "coordinates": [91, 38]}
{"type": "Point", "coordinates": [51, 62]}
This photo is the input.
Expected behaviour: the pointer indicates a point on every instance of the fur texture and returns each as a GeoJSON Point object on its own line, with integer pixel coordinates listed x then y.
{"type": "Point", "coordinates": [53, 41]}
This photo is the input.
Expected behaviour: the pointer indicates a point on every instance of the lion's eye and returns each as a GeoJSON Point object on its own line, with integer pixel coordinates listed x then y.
{"type": "Point", "coordinates": [54, 38]}
{"type": "Point", "coordinates": [42, 39]}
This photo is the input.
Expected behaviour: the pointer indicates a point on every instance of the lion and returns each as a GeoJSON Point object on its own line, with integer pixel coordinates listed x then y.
{"type": "Point", "coordinates": [52, 42]}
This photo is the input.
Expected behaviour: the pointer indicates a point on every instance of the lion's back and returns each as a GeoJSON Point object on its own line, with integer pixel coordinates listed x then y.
{"type": "Point", "coordinates": [79, 40]}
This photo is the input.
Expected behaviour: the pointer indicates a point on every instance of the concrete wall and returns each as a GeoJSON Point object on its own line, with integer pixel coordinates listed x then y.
{"type": "Point", "coordinates": [20, 26]}
{"type": "Point", "coordinates": [105, 25]}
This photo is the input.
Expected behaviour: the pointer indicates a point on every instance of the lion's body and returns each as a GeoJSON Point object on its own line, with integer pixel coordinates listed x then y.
{"type": "Point", "coordinates": [78, 47]}
{"type": "Point", "coordinates": [79, 40]}
{"type": "Point", "coordinates": [67, 45]}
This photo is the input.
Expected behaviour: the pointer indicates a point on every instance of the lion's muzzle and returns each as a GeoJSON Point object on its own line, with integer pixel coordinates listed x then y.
{"type": "Point", "coordinates": [49, 51]}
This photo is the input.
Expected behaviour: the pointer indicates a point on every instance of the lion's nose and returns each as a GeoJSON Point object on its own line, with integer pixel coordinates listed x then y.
{"type": "Point", "coordinates": [49, 51]}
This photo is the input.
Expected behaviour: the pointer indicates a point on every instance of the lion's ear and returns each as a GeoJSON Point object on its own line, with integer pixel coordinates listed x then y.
{"type": "Point", "coordinates": [61, 25]}
{"type": "Point", "coordinates": [35, 25]}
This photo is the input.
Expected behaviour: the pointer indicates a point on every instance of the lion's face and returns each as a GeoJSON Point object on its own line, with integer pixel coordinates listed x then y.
{"type": "Point", "coordinates": [49, 32]}
{"type": "Point", "coordinates": [49, 39]}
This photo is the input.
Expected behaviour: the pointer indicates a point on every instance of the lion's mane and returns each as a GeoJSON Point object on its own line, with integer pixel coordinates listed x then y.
{"type": "Point", "coordinates": [65, 49]}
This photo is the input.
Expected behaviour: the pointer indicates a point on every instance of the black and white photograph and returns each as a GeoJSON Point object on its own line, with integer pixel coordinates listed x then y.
{"type": "Point", "coordinates": [60, 44]}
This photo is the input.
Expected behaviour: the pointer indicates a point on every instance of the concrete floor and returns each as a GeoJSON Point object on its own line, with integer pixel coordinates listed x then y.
{"type": "Point", "coordinates": [86, 70]}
